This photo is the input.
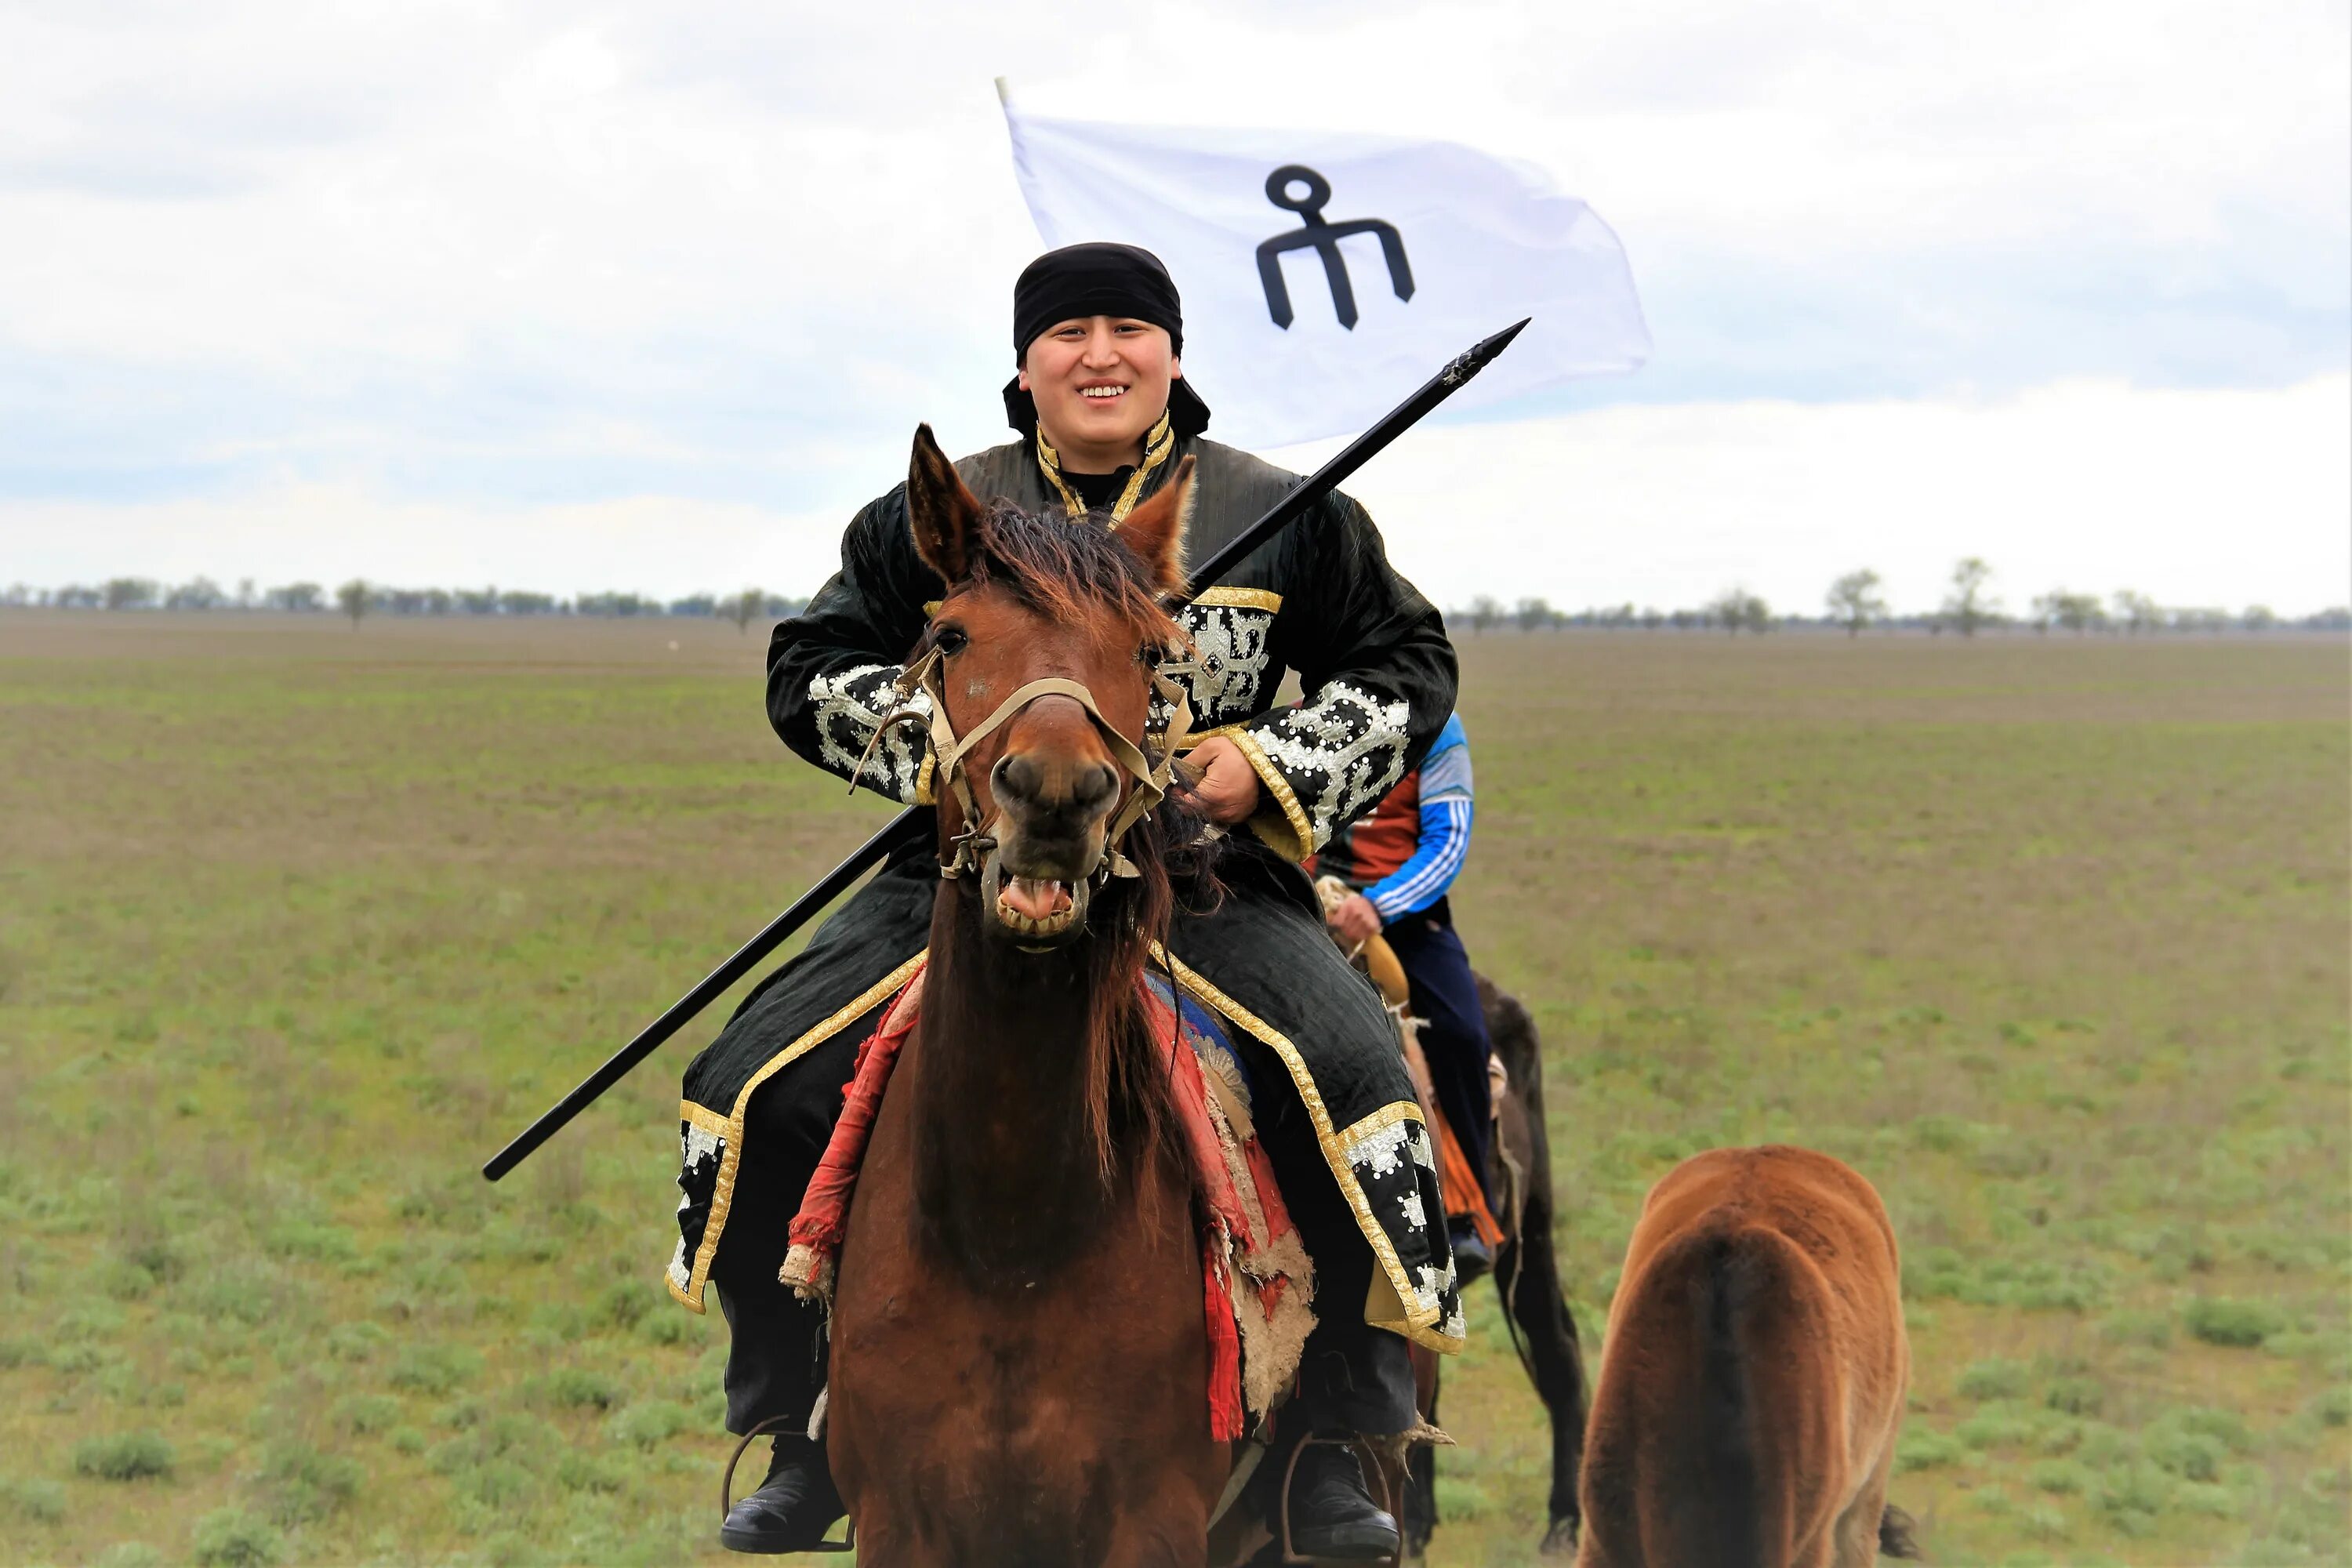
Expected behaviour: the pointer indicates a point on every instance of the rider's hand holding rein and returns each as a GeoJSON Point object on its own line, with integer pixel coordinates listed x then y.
{"type": "Point", "coordinates": [1228, 786]}
{"type": "Point", "coordinates": [1355, 921]}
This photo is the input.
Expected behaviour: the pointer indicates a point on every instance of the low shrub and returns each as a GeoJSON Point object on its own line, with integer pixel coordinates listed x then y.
{"type": "Point", "coordinates": [2332, 1407]}
{"type": "Point", "coordinates": [585, 1472]}
{"type": "Point", "coordinates": [1925, 1448]}
{"type": "Point", "coordinates": [1461, 1499]}
{"type": "Point", "coordinates": [2061, 1477]}
{"type": "Point", "coordinates": [129, 1554]}
{"type": "Point", "coordinates": [362, 1414]}
{"type": "Point", "coordinates": [40, 1502]}
{"type": "Point", "coordinates": [125, 1281]}
{"type": "Point", "coordinates": [459, 1415]}
{"type": "Point", "coordinates": [2211, 1500]}
{"type": "Point", "coordinates": [667, 1328]}
{"type": "Point", "coordinates": [647, 1423]}
{"type": "Point", "coordinates": [311, 1242]}
{"type": "Point", "coordinates": [2000, 1423]}
{"type": "Point", "coordinates": [232, 1538]}
{"type": "Point", "coordinates": [579, 1388]}
{"type": "Point", "coordinates": [435, 1368]}
{"type": "Point", "coordinates": [123, 1456]}
{"type": "Point", "coordinates": [2226, 1426]}
{"type": "Point", "coordinates": [624, 1306]}
{"type": "Point", "coordinates": [357, 1340]}
{"type": "Point", "coordinates": [2221, 1321]}
{"type": "Point", "coordinates": [2132, 1496]}
{"type": "Point", "coordinates": [2075, 1396]}
{"type": "Point", "coordinates": [1995, 1379]}
{"type": "Point", "coordinates": [2103, 1445]}
{"type": "Point", "coordinates": [2188, 1455]}
{"type": "Point", "coordinates": [238, 1291]}
{"type": "Point", "coordinates": [2044, 1521]}
{"type": "Point", "coordinates": [495, 1483]}
{"type": "Point", "coordinates": [406, 1440]}
{"type": "Point", "coordinates": [300, 1483]}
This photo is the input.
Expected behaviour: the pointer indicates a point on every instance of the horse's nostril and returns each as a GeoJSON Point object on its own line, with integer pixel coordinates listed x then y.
{"type": "Point", "coordinates": [1017, 776]}
{"type": "Point", "coordinates": [1095, 786]}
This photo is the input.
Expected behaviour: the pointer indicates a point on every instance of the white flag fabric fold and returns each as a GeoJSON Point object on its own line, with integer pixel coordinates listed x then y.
{"type": "Point", "coordinates": [1325, 275]}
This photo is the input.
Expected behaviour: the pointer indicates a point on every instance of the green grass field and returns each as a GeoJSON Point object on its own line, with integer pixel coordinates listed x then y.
{"type": "Point", "coordinates": [297, 924]}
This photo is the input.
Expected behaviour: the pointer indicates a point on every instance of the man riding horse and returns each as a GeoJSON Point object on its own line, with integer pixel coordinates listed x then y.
{"type": "Point", "coordinates": [1104, 418]}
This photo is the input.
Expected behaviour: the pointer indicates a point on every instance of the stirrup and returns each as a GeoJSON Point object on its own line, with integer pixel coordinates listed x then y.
{"type": "Point", "coordinates": [848, 1543]}
{"type": "Point", "coordinates": [1367, 1458]}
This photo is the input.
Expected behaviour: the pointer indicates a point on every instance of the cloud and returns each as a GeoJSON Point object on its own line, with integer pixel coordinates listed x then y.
{"type": "Point", "coordinates": [489, 260]}
{"type": "Point", "coordinates": [2198, 496]}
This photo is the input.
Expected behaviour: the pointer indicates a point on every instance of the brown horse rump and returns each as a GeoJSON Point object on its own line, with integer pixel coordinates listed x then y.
{"type": "Point", "coordinates": [1259, 961]}
{"type": "Point", "coordinates": [1258, 1282]}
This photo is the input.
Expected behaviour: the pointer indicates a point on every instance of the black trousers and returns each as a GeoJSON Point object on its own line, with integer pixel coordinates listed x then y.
{"type": "Point", "coordinates": [1444, 997]}
{"type": "Point", "coordinates": [1353, 1377]}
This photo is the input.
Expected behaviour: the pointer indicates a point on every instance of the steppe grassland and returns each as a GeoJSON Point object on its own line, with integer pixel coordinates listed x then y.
{"type": "Point", "coordinates": [298, 923]}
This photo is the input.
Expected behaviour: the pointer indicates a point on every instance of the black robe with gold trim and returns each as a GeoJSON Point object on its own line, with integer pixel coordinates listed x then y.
{"type": "Point", "coordinates": [1377, 676]}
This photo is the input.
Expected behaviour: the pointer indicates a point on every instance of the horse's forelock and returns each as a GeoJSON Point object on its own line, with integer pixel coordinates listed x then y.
{"type": "Point", "coordinates": [1070, 570]}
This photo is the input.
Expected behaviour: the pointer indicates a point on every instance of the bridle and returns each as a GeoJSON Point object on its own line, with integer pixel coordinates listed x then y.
{"type": "Point", "coordinates": [974, 848]}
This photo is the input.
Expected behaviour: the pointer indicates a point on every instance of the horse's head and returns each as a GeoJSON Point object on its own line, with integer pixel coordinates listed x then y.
{"type": "Point", "coordinates": [1041, 781]}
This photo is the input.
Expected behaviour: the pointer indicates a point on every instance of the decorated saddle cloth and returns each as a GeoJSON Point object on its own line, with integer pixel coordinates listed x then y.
{"type": "Point", "coordinates": [1258, 1284]}
{"type": "Point", "coordinates": [1258, 962]}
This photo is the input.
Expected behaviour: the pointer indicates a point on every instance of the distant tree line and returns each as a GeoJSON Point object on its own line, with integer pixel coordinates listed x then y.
{"type": "Point", "coordinates": [358, 598]}
{"type": "Point", "coordinates": [1855, 603]}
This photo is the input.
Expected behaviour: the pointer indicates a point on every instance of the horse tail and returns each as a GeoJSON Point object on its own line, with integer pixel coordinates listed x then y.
{"type": "Point", "coordinates": [1722, 1316]}
{"type": "Point", "coordinates": [1897, 1534]}
{"type": "Point", "coordinates": [1723, 1280]}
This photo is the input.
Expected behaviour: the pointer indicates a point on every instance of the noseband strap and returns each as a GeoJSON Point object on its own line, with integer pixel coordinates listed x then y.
{"type": "Point", "coordinates": [1148, 781]}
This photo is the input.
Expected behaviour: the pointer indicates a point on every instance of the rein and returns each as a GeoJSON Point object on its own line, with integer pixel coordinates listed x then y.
{"type": "Point", "coordinates": [970, 849]}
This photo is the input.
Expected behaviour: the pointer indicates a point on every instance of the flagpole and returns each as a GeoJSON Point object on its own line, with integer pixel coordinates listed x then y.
{"type": "Point", "coordinates": [909, 826]}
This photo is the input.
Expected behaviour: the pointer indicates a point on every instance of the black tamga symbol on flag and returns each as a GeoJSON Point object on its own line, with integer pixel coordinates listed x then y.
{"type": "Point", "coordinates": [1325, 238]}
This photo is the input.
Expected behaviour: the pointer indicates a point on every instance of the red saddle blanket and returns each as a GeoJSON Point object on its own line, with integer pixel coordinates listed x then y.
{"type": "Point", "coordinates": [1257, 1284]}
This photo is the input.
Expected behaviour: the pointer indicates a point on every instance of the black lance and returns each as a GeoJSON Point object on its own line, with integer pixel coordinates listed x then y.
{"type": "Point", "coordinates": [910, 824]}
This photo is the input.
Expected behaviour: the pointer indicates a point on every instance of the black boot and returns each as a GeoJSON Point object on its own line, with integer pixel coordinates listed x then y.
{"type": "Point", "coordinates": [793, 1507]}
{"type": "Point", "coordinates": [1472, 1261]}
{"type": "Point", "coordinates": [1332, 1514]}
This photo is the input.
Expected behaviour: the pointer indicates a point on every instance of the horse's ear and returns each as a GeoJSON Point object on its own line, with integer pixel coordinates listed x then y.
{"type": "Point", "coordinates": [1155, 531]}
{"type": "Point", "coordinates": [942, 512]}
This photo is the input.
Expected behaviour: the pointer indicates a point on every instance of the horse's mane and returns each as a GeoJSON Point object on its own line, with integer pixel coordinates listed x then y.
{"type": "Point", "coordinates": [1074, 571]}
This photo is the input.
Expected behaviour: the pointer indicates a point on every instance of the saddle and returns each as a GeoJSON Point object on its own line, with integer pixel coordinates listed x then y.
{"type": "Point", "coordinates": [1258, 1283]}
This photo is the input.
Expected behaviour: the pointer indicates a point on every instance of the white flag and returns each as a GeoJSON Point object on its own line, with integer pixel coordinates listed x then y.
{"type": "Point", "coordinates": [1326, 276]}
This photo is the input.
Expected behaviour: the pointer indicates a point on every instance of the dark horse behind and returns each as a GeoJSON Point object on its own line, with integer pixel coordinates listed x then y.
{"type": "Point", "coordinates": [1527, 1274]}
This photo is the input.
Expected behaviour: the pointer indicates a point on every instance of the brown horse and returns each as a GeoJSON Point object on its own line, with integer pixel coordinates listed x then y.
{"type": "Point", "coordinates": [1754, 1376]}
{"type": "Point", "coordinates": [1020, 1365]}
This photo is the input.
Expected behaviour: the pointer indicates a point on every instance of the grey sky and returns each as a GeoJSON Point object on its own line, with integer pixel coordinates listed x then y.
{"type": "Point", "coordinates": [650, 297]}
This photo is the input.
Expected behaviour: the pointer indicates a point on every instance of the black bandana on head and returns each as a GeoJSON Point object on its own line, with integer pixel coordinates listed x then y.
{"type": "Point", "coordinates": [1099, 279]}
{"type": "Point", "coordinates": [1095, 280]}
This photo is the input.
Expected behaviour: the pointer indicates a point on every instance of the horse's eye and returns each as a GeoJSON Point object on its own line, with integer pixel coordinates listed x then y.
{"type": "Point", "coordinates": [1149, 654]}
{"type": "Point", "coordinates": [949, 639]}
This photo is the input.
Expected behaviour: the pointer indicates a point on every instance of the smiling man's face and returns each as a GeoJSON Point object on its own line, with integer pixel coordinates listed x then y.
{"type": "Point", "coordinates": [1099, 383]}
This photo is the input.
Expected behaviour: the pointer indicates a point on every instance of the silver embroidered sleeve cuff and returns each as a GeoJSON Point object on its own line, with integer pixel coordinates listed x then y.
{"type": "Point", "coordinates": [848, 706]}
{"type": "Point", "coordinates": [1325, 763]}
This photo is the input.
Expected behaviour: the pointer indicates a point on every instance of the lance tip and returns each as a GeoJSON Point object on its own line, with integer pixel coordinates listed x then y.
{"type": "Point", "coordinates": [1484, 354]}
